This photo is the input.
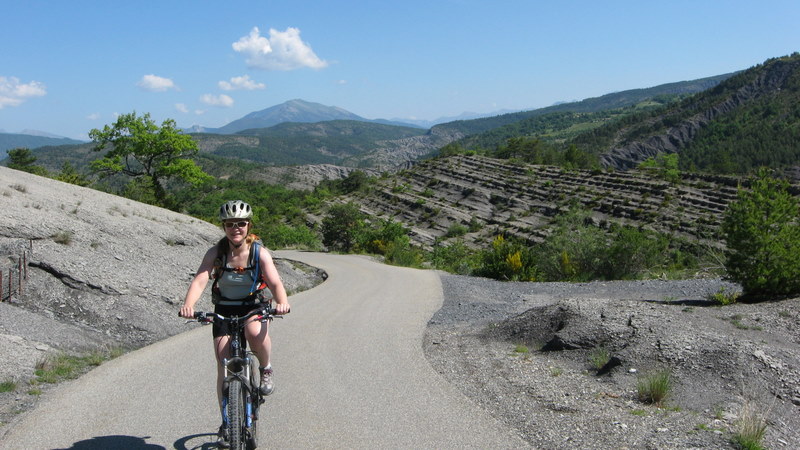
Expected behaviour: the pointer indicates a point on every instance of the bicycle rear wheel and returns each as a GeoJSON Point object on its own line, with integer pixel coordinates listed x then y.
{"type": "Point", "coordinates": [235, 413]}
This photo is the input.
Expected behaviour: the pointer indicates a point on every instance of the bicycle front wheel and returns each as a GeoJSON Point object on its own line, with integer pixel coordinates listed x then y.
{"type": "Point", "coordinates": [255, 379]}
{"type": "Point", "coordinates": [235, 415]}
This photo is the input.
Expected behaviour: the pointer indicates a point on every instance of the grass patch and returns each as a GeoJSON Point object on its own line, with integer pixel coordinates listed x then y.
{"type": "Point", "coordinates": [736, 320]}
{"type": "Point", "coordinates": [750, 428]}
{"type": "Point", "coordinates": [8, 386]}
{"type": "Point", "coordinates": [599, 357]}
{"type": "Point", "coordinates": [639, 412]}
{"type": "Point", "coordinates": [721, 297]}
{"type": "Point", "coordinates": [654, 388]}
{"type": "Point", "coordinates": [521, 349]}
{"type": "Point", "coordinates": [61, 366]}
{"type": "Point", "coordinates": [556, 371]}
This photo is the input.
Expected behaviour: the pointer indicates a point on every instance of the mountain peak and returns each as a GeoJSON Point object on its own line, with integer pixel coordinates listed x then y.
{"type": "Point", "coordinates": [295, 110]}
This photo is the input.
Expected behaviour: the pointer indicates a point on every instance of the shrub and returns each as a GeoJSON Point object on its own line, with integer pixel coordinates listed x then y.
{"type": "Point", "coordinates": [634, 252]}
{"type": "Point", "coordinates": [762, 233]}
{"type": "Point", "coordinates": [63, 237]}
{"type": "Point", "coordinates": [507, 259]}
{"type": "Point", "coordinates": [400, 252]}
{"type": "Point", "coordinates": [376, 238]}
{"type": "Point", "coordinates": [574, 251]}
{"type": "Point", "coordinates": [456, 230]}
{"type": "Point", "coordinates": [287, 236]}
{"type": "Point", "coordinates": [454, 258]}
{"type": "Point", "coordinates": [69, 174]}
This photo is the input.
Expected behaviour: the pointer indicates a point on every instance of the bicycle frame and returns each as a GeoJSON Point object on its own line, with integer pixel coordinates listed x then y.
{"type": "Point", "coordinates": [241, 379]}
{"type": "Point", "coordinates": [240, 366]}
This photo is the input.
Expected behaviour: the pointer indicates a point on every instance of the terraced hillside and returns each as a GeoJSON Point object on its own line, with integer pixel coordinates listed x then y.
{"type": "Point", "coordinates": [487, 196]}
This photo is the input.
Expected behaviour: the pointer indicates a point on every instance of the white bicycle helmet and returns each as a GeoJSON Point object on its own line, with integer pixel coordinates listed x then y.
{"type": "Point", "coordinates": [235, 209]}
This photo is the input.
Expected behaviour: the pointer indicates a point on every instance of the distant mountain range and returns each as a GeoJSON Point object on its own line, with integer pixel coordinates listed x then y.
{"type": "Point", "coordinates": [296, 111]}
{"type": "Point", "coordinates": [32, 139]}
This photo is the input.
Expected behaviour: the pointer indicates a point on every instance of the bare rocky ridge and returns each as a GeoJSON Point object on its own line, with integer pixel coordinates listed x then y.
{"type": "Point", "coordinates": [305, 178]}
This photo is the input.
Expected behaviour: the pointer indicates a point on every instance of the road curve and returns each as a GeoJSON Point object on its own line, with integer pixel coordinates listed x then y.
{"type": "Point", "coordinates": [349, 367]}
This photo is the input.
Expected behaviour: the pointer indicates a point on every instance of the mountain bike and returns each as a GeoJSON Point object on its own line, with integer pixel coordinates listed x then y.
{"type": "Point", "coordinates": [241, 397]}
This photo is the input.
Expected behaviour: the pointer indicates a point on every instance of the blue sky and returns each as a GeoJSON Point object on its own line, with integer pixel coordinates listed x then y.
{"type": "Point", "coordinates": [69, 66]}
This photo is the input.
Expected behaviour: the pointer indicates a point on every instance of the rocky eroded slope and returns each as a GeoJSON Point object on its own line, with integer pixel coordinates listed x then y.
{"type": "Point", "coordinates": [490, 195]}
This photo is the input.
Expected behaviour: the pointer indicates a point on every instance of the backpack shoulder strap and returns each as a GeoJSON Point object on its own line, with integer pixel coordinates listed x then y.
{"type": "Point", "coordinates": [255, 263]}
{"type": "Point", "coordinates": [222, 258]}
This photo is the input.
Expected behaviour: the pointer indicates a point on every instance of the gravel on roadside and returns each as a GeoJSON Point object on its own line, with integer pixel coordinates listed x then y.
{"type": "Point", "coordinates": [555, 399]}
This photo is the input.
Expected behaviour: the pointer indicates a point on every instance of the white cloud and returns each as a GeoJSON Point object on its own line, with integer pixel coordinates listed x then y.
{"type": "Point", "coordinates": [341, 82]}
{"type": "Point", "coordinates": [14, 93]}
{"type": "Point", "coordinates": [284, 50]}
{"type": "Point", "coordinates": [181, 107]}
{"type": "Point", "coordinates": [155, 83]}
{"type": "Point", "coordinates": [221, 100]}
{"type": "Point", "coordinates": [93, 116]}
{"type": "Point", "coordinates": [241, 83]}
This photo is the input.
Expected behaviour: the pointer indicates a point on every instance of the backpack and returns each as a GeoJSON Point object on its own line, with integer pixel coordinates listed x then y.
{"type": "Point", "coordinates": [253, 265]}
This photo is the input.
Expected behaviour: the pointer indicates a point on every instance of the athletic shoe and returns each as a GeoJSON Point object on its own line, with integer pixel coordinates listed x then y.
{"type": "Point", "coordinates": [267, 386]}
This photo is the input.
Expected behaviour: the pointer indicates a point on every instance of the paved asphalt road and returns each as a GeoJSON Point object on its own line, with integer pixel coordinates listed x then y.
{"type": "Point", "coordinates": [349, 367]}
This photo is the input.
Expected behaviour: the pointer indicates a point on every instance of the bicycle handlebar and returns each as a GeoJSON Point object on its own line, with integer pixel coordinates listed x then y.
{"type": "Point", "coordinates": [260, 314]}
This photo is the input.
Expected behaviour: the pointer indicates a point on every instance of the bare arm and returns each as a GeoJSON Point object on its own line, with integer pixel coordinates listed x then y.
{"type": "Point", "coordinates": [273, 279]}
{"type": "Point", "coordinates": [199, 283]}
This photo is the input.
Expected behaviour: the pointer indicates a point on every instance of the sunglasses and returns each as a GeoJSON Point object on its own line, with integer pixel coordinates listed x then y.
{"type": "Point", "coordinates": [241, 224]}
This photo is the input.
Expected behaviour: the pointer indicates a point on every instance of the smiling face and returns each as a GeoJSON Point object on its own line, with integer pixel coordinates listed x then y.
{"type": "Point", "coordinates": [236, 230]}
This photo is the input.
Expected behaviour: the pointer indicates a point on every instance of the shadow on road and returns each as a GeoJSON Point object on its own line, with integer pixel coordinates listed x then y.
{"type": "Point", "coordinates": [193, 442]}
{"type": "Point", "coordinates": [197, 442]}
{"type": "Point", "coordinates": [113, 443]}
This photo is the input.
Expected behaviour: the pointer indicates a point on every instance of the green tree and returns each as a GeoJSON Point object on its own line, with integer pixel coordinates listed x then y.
{"type": "Point", "coordinates": [23, 159]}
{"type": "Point", "coordinates": [762, 233]}
{"type": "Point", "coordinates": [143, 150]}
{"type": "Point", "coordinates": [69, 174]}
{"type": "Point", "coordinates": [665, 165]}
{"type": "Point", "coordinates": [342, 227]}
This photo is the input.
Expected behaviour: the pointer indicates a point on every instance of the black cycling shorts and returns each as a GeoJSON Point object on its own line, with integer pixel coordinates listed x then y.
{"type": "Point", "coordinates": [221, 328]}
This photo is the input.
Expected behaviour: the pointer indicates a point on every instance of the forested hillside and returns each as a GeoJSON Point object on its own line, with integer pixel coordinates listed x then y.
{"type": "Point", "coordinates": [518, 122]}
{"type": "Point", "coordinates": [749, 120]}
{"type": "Point", "coordinates": [343, 142]}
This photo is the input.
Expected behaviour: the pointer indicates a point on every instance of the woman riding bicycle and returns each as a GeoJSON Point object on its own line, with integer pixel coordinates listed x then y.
{"type": "Point", "coordinates": [238, 275]}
